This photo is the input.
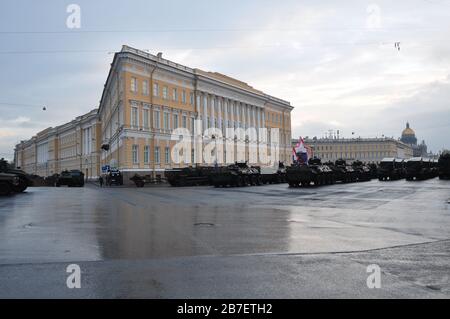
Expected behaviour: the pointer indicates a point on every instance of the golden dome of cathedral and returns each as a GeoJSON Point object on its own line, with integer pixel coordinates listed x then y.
{"type": "Point", "coordinates": [408, 131]}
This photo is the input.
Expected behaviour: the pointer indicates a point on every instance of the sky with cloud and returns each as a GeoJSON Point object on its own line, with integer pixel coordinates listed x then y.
{"type": "Point", "coordinates": [335, 61]}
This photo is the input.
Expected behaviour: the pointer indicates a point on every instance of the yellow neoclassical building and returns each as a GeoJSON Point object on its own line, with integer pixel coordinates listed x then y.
{"type": "Point", "coordinates": [73, 145]}
{"type": "Point", "coordinates": [368, 150]}
{"type": "Point", "coordinates": [145, 98]}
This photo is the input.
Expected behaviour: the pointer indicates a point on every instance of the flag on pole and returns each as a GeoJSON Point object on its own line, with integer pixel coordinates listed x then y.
{"type": "Point", "coordinates": [301, 152]}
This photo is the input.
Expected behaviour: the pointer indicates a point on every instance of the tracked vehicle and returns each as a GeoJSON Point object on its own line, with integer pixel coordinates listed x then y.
{"type": "Point", "coordinates": [189, 176]}
{"type": "Point", "coordinates": [363, 172]}
{"type": "Point", "coordinates": [342, 172]}
{"type": "Point", "coordinates": [315, 172]}
{"type": "Point", "coordinates": [24, 178]}
{"type": "Point", "coordinates": [238, 174]}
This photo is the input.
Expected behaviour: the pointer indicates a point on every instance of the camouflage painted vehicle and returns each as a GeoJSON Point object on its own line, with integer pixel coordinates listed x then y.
{"type": "Point", "coordinates": [8, 182]}
{"type": "Point", "coordinates": [391, 169]}
{"type": "Point", "coordinates": [315, 172]}
{"type": "Point", "coordinates": [444, 166]}
{"type": "Point", "coordinates": [273, 175]}
{"type": "Point", "coordinates": [24, 179]}
{"type": "Point", "coordinates": [342, 171]}
{"type": "Point", "coordinates": [189, 176]}
{"type": "Point", "coordinates": [237, 174]}
{"type": "Point", "coordinates": [419, 168]}
{"type": "Point", "coordinates": [70, 178]}
{"type": "Point", "coordinates": [363, 171]}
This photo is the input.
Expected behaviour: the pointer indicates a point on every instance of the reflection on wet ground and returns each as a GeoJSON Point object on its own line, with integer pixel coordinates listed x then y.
{"type": "Point", "coordinates": [91, 223]}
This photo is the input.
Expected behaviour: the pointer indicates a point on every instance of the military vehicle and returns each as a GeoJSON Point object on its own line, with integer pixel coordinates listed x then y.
{"type": "Point", "coordinates": [70, 178]}
{"type": "Point", "coordinates": [391, 169]}
{"type": "Point", "coordinates": [342, 171]}
{"type": "Point", "coordinates": [24, 179]}
{"type": "Point", "coordinates": [314, 172]}
{"type": "Point", "coordinates": [237, 174]}
{"type": "Point", "coordinates": [444, 166]}
{"type": "Point", "coordinates": [189, 176]}
{"type": "Point", "coordinates": [363, 171]}
{"type": "Point", "coordinates": [373, 170]}
{"type": "Point", "coordinates": [273, 175]}
{"type": "Point", "coordinates": [8, 182]}
{"type": "Point", "coordinates": [419, 168]}
{"type": "Point", "coordinates": [114, 177]}
{"type": "Point", "coordinates": [51, 180]}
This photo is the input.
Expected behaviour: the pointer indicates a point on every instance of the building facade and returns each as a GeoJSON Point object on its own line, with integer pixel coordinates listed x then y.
{"type": "Point", "coordinates": [146, 97]}
{"type": "Point", "coordinates": [368, 150]}
{"type": "Point", "coordinates": [73, 145]}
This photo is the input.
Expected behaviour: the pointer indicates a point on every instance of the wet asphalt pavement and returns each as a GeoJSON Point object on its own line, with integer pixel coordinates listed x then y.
{"type": "Point", "coordinates": [255, 242]}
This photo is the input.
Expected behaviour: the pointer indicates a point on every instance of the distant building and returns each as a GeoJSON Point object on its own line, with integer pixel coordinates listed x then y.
{"type": "Point", "coordinates": [73, 145]}
{"type": "Point", "coordinates": [368, 150]}
{"type": "Point", "coordinates": [409, 137]}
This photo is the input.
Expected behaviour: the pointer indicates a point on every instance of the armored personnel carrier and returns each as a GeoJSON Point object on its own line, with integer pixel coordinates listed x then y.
{"type": "Point", "coordinates": [419, 168]}
{"type": "Point", "coordinates": [24, 179]}
{"type": "Point", "coordinates": [342, 171]}
{"type": "Point", "coordinates": [8, 182]}
{"type": "Point", "coordinates": [189, 176]}
{"type": "Point", "coordinates": [273, 175]}
{"type": "Point", "coordinates": [70, 178]}
{"type": "Point", "coordinates": [444, 166]}
{"type": "Point", "coordinates": [315, 172]}
{"type": "Point", "coordinates": [237, 174]}
{"type": "Point", "coordinates": [391, 169]}
{"type": "Point", "coordinates": [363, 171]}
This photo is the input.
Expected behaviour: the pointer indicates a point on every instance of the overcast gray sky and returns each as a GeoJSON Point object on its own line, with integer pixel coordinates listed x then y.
{"type": "Point", "coordinates": [335, 61]}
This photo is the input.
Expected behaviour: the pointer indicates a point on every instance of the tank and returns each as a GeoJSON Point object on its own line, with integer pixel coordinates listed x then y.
{"type": "Point", "coordinates": [237, 174]}
{"type": "Point", "coordinates": [8, 182]}
{"type": "Point", "coordinates": [363, 171]}
{"type": "Point", "coordinates": [273, 175]}
{"type": "Point", "coordinates": [70, 178]}
{"type": "Point", "coordinates": [315, 172]}
{"type": "Point", "coordinates": [391, 169]}
{"type": "Point", "coordinates": [24, 179]}
{"type": "Point", "coordinates": [189, 176]}
{"type": "Point", "coordinates": [114, 177]}
{"type": "Point", "coordinates": [419, 168]}
{"type": "Point", "coordinates": [444, 166]}
{"type": "Point", "coordinates": [342, 171]}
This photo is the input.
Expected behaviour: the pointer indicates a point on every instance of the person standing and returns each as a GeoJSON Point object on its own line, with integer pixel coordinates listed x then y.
{"type": "Point", "coordinates": [100, 180]}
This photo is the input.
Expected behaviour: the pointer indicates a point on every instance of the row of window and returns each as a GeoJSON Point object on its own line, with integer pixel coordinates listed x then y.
{"type": "Point", "coordinates": [174, 96]}
{"type": "Point", "coordinates": [352, 155]}
{"type": "Point", "coordinates": [350, 147]}
{"type": "Point", "coordinates": [156, 154]}
{"type": "Point", "coordinates": [157, 119]}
